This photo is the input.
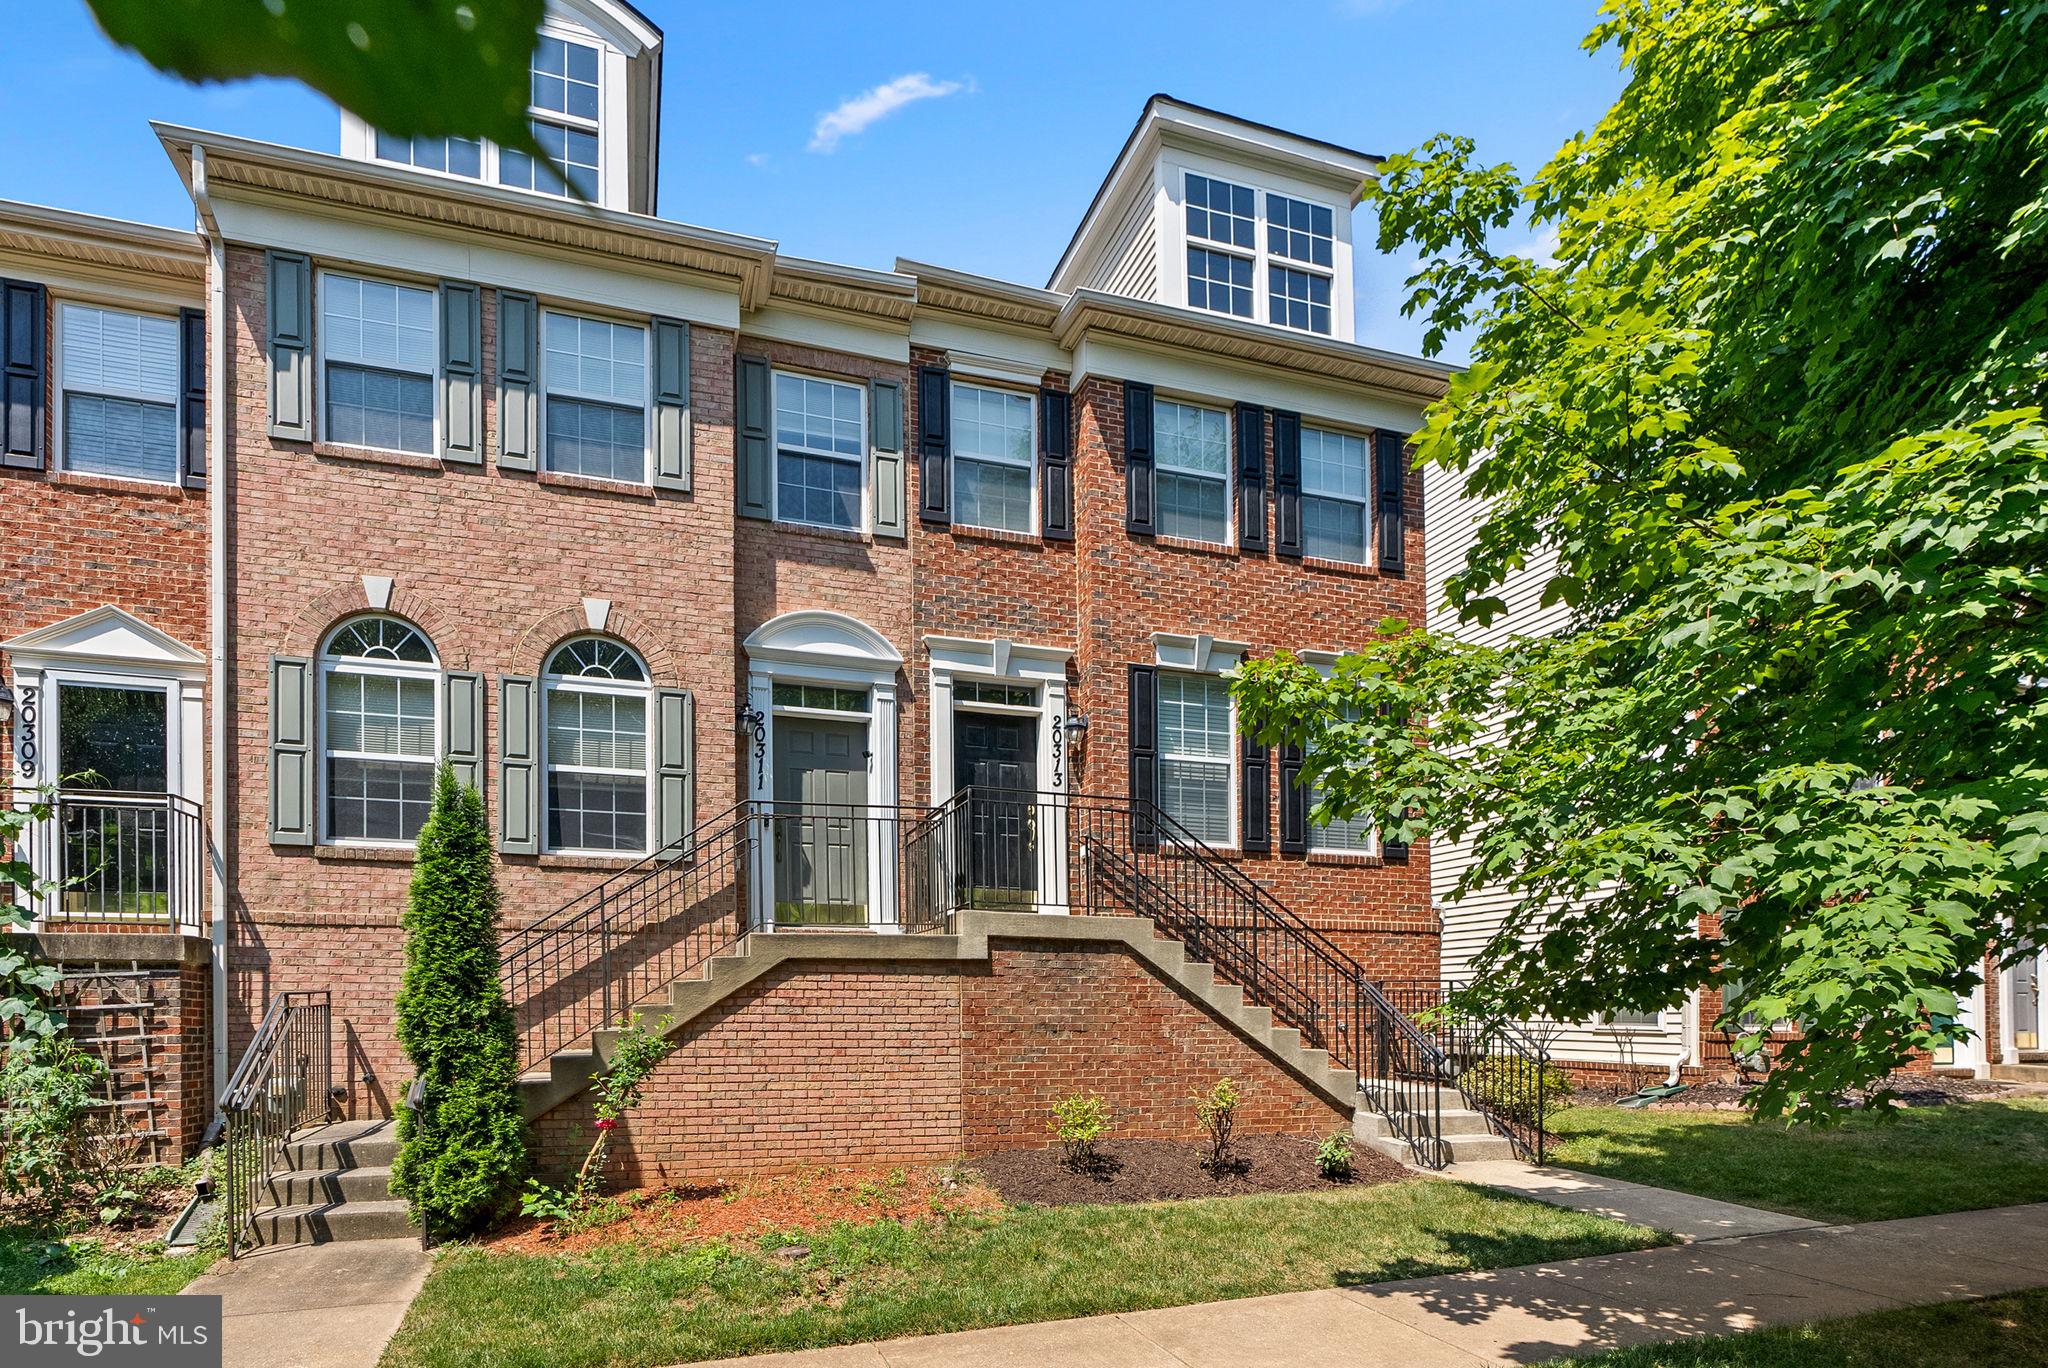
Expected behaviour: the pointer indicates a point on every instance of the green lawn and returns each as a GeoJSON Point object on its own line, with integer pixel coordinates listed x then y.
{"type": "Point", "coordinates": [2004, 1330]}
{"type": "Point", "coordinates": [626, 1306]}
{"type": "Point", "coordinates": [1930, 1159]}
{"type": "Point", "coordinates": [33, 1263]}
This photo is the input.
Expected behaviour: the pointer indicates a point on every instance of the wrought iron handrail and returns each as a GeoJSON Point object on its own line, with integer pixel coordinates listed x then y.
{"type": "Point", "coordinates": [282, 1084]}
{"type": "Point", "coordinates": [116, 857]}
{"type": "Point", "coordinates": [1514, 1087]}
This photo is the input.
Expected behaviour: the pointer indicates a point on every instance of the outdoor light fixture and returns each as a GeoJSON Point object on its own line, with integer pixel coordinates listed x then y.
{"type": "Point", "coordinates": [6, 703]}
{"type": "Point", "coordinates": [1077, 733]}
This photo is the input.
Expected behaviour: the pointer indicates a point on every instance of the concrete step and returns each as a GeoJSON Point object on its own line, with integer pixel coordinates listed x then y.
{"type": "Point", "coordinates": [343, 1145]}
{"type": "Point", "coordinates": [303, 1187]}
{"type": "Point", "coordinates": [318, 1224]}
{"type": "Point", "coordinates": [2020, 1073]}
{"type": "Point", "coordinates": [1451, 1121]}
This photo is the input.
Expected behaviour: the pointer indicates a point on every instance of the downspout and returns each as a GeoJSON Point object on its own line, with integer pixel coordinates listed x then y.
{"type": "Point", "coordinates": [218, 483]}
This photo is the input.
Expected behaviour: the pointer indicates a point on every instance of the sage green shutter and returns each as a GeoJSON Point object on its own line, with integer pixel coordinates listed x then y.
{"type": "Point", "coordinates": [671, 404]}
{"type": "Point", "coordinates": [291, 345]}
{"type": "Point", "coordinates": [518, 381]}
{"type": "Point", "coordinates": [756, 466]}
{"type": "Point", "coordinates": [462, 373]}
{"type": "Point", "coordinates": [462, 726]}
{"type": "Point", "coordinates": [675, 779]}
{"type": "Point", "coordinates": [518, 765]}
{"type": "Point", "coordinates": [885, 424]}
{"type": "Point", "coordinates": [291, 751]}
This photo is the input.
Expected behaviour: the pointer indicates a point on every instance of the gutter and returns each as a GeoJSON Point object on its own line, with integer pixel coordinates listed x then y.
{"type": "Point", "coordinates": [218, 482]}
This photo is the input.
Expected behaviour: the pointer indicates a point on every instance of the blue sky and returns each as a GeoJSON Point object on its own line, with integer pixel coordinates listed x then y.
{"type": "Point", "coordinates": [990, 176]}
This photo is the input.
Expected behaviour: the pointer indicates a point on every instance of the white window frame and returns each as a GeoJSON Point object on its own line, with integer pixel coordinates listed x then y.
{"type": "Point", "coordinates": [1365, 501]}
{"type": "Point", "coordinates": [547, 394]}
{"type": "Point", "coordinates": [589, 684]}
{"type": "Point", "coordinates": [1316, 830]}
{"type": "Point", "coordinates": [327, 665]}
{"type": "Point", "coordinates": [433, 375]}
{"type": "Point", "coordinates": [1227, 478]}
{"type": "Point", "coordinates": [1230, 761]}
{"type": "Point", "coordinates": [865, 462]}
{"type": "Point", "coordinates": [62, 460]}
{"type": "Point", "coordinates": [1030, 465]}
{"type": "Point", "coordinates": [1218, 246]}
{"type": "Point", "coordinates": [1262, 278]}
{"type": "Point", "coordinates": [562, 119]}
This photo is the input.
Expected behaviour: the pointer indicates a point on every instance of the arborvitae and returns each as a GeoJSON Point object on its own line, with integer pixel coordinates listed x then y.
{"type": "Point", "coordinates": [462, 1149]}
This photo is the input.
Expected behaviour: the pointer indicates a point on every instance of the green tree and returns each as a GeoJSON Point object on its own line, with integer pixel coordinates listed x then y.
{"type": "Point", "coordinates": [1775, 406]}
{"type": "Point", "coordinates": [462, 1146]}
{"type": "Point", "coordinates": [28, 1013]}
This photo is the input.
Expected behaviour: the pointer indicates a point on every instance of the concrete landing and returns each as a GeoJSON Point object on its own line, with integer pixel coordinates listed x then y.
{"type": "Point", "coordinates": [1690, 1218]}
{"type": "Point", "coordinates": [314, 1306]}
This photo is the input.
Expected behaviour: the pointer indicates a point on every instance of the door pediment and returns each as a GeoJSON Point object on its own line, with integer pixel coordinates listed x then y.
{"type": "Point", "coordinates": [104, 636]}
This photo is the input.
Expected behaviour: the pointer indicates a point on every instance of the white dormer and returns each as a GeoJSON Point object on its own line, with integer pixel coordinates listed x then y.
{"type": "Point", "coordinates": [1220, 215]}
{"type": "Point", "coordinates": [595, 105]}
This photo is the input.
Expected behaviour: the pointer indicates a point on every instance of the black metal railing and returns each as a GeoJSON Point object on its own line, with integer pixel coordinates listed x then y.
{"type": "Point", "coordinates": [283, 1084]}
{"type": "Point", "coordinates": [116, 858]}
{"type": "Point", "coordinates": [1497, 1066]}
{"type": "Point", "coordinates": [836, 864]}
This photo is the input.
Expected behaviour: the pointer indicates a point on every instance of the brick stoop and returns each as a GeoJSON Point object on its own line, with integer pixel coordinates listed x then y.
{"type": "Point", "coordinates": [335, 1185]}
{"type": "Point", "coordinates": [569, 1071]}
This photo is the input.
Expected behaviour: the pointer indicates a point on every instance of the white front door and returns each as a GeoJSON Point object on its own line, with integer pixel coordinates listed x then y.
{"type": "Point", "coordinates": [2025, 987]}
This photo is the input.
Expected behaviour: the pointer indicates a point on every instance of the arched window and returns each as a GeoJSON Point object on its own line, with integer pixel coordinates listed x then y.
{"type": "Point", "coordinates": [379, 682]}
{"type": "Point", "coordinates": [595, 700]}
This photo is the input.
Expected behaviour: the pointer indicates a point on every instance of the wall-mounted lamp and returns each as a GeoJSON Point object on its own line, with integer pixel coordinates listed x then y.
{"type": "Point", "coordinates": [6, 703]}
{"type": "Point", "coordinates": [1077, 734]}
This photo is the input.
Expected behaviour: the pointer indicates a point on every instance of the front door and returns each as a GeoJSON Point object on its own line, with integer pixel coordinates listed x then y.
{"type": "Point", "coordinates": [820, 827]}
{"type": "Point", "coordinates": [2026, 1003]}
{"type": "Point", "coordinates": [996, 754]}
{"type": "Point", "coordinates": [113, 741]}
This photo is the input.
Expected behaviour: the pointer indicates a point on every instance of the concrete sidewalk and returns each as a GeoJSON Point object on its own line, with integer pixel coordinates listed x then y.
{"type": "Point", "coordinates": [314, 1306]}
{"type": "Point", "coordinates": [1690, 1218]}
{"type": "Point", "coordinates": [1522, 1315]}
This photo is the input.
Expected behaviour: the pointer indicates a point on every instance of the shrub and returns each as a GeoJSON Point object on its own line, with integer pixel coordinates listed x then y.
{"type": "Point", "coordinates": [1509, 1087]}
{"type": "Point", "coordinates": [28, 1015]}
{"type": "Point", "coordinates": [50, 1087]}
{"type": "Point", "coordinates": [1078, 1122]}
{"type": "Point", "coordinates": [1333, 1156]}
{"type": "Point", "coordinates": [1217, 1111]}
{"type": "Point", "coordinates": [463, 1146]}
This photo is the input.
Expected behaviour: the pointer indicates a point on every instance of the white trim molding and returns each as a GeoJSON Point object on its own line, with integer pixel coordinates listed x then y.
{"type": "Point", "coordinates": [1202, 654]}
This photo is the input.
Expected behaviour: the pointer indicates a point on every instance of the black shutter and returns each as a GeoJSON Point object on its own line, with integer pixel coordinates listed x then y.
{"type": "Point", "coordinates": [934, 444]}
{"type": "Point", "coordinates": [1256, 794]}
{"type": "Point", "coordinates": [1394, 852]}
{"type": "Point", "coordinates": [192, 396]}
{"type": "Point", "coordinates": [1391, 462]}
{"type": "Point", "coordinates": [23, 374]}
{"type": "Point", "coordinates": [1251, 477]}
{"type": "Point", "coordinates": [1144, 733]}
{"type": "Point", "coordinates": [1293, 803]}
{"type": "Point", "coordinates": [1056, 464]}
{"type": "Point", "coordinates": [1138, 484]}
{"type": "Point", "coordinates": [1287, 483]}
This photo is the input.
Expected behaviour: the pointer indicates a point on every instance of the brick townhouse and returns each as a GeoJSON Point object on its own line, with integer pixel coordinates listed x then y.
{"type": "Point", "coordinates": [842, 653]}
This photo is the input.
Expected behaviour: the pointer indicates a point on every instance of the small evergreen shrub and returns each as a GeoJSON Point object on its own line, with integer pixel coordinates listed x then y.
{"type": "Point", "coordinates": [1216, 1109]}
{"type": "Point", "coordinates": [463, 1148]}
{"type": "Point", "coordinates": [1333, 1156]}
{"type": "Point", "coordinates": [1509, 1087]}
{"type": "Point", "coordinates": [1079, 1122]}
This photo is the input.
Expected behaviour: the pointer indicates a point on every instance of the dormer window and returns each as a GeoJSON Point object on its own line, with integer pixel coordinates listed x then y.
{"type": "Point", "coordinates": [1293, 259]}
{"type": "Point", "coordinates": [1300, 231]}
{"type": "Point", "coordinates": [456, 156]}
{"type": "Point", "coordinates": [1220, 212]}
{"type": "Point", "coordinates": [565, 121]}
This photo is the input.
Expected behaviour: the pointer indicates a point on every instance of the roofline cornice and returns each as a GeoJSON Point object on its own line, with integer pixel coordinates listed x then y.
{"type": "Point", "coordinates": [61, 234]}
{"type": "Point", "coordinates": [1000, 301]}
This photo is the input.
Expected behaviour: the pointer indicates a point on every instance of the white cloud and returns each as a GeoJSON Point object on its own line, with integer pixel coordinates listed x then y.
{"type": "Point", "coordinates": [757, 158]}
{"type": "Point", "coordinates": [869, 107]}
{"type": "Point", "coordinates": [1358, 9]}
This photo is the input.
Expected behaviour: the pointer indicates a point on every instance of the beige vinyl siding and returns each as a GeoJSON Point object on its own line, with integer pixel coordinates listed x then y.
{"type": "Point", "coordinates": [1469, 923]}
{"type": "Point", "coordinates": [1129, 264]}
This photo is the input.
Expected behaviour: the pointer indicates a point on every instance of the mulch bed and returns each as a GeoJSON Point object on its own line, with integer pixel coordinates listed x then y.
{"type": "Point", "coordinates": [1913, 1090]}
{"type": "Point", "coordinates": [1169, 1170]}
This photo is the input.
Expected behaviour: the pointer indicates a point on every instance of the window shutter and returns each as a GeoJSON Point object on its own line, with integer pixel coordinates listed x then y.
{"type": "Point", "coordinates": [675, 777]}
{"type": "Point", "coordinates": [24, 373]}
{"type": "Point", "coordinates": [1144, 747]}
{"type": "Point", "coordinates": [756, 463]}
{"type": "Point", "coordinates": [934, 444]}
{"type": "Point", "coordinates": [1390, 455]}
{"type": "Point", "coordinates": [291, 751]}
{"type": "Point", "coordinates": [462, 725]}
{"type": "Point", "coordinates": [462, 373]}
{"type": "Point", "coordinates": [1256, 792]}
{"type": "Point", "coordinates": [1251, 477]}
{"type": "Point", "coordinates": [1394, 852]}
{"type": "Point", "coordinates": [885, 436]}
{"type": "Point", "coordinates": [671, 404]}
{"type": "Point", "coordinates": [192, 398]}
{"type": "Point", "coordinates": [518, 765]}
{"type": "Point", "coordinates": [1293, 803]}
{"type": "Point", "coordinates": [1138, 483]}
{"type": "Point", "coordinates": [1056, 464]}
{"type": "Point", "coordinates": [518, 381]}
{"type": "Point", "coordinates": [1286, 483]}
{"type": "Point", "coordinates": [291, 346]}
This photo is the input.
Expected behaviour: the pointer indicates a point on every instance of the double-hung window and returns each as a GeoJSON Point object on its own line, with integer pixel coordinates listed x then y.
{"type": "Point", "coordinates": [1301, 250]}
{"type": "Point", "coordinates": [596, 699]}
{"type": "Point", "coordinates": [120, 400]}
{"type": "Point", "coordinates": [1196, 755]}
{"type": "Point", "coordinates": [456, 156]}
{"type": "Point", "coordinates": [1192, 471]}
{"type": "Point", "coordinates": [1222, 237]}
{"type": "Point", "coordinates": [992, 458]}
{"type": "Point", "coordinates": [564, 118]}
{"type": "Point", "coordinates": [595, 375]}
{"type": "Point", "coordinates": [379, 346]}
{"type": "Point", "coordinates": [1335, 514]}
{"type": "Point", "coordinates": [1347, 835]}
{"type": "Point", "coordinates": [820, 451]}
{"type": "Point", "coordinates": [379, 681]}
